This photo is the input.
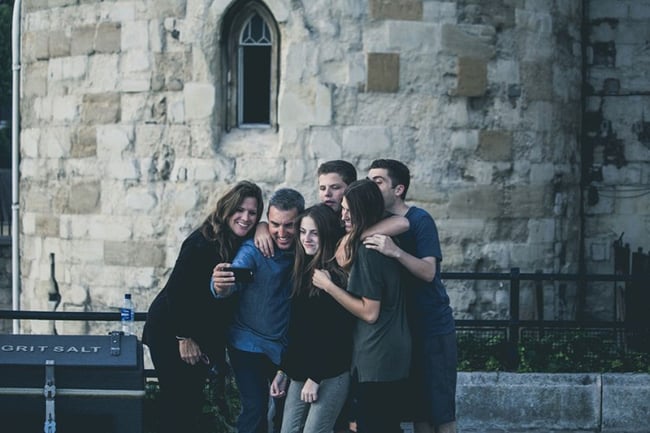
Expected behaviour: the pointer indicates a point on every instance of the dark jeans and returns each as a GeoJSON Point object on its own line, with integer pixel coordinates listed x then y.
{"type": "Point", "coordinates": [253, 373]}
{"type": "Point", "coordinates": [432, 382]}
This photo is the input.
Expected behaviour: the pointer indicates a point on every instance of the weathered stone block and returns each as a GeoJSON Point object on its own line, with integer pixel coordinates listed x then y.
{"type": "Point", "coordinates": [36, 46]}
{"type": "Point", "coordinates": [458, 41]}
{"type": "Point", "coordinates": [383, 72]}
{"type": "Point", "coordinates": [495, 145]}
{"type": "Point", "coordinates": [136, 254]}
{"type": "Point", "coordinates": [626, 401]}
{"type": "Point", "coordinates": [523, 402]}
{"type": "Point", "coordinates": [171, 70]}
{"type": "Point", "coordinates": [34, 5]}
{"type": "Point", "coordinates": [370, 141]}
{"type": "Point", "coordinates": [47, 225]}
{"type": "Point", "coordinates": [58, 44]}
{"type": "Point", "coordinates": [35, 83]}
{"type": "Point", "coordinates": [84, 198]}
{"type": "Point", "coordinates": [84, 142]}
{"type": "Point", "coordinates": [532, 201]}
{"type": "Point", "coordinates": [396, 9]}
{"type": "Point", "coordinates": [101, 108]}
{"type": "Point", "coordinates": [472, 77]}
{"type": "Point", "coordinates": [108, 38]}
{"type": "Point", "coordinates": [537, 80]}
{"type": "Point", "coordinates": [478, 202]}
{"type": "Point", "coordinates": [82, 41]}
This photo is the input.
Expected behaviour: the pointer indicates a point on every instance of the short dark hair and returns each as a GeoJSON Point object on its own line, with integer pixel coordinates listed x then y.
{"type": "Point", "coordinates": [287, 199]}
{"type": "Point", "coordinates": [343, 168]}
{"type": "Point", "coordinates": [398, 173]}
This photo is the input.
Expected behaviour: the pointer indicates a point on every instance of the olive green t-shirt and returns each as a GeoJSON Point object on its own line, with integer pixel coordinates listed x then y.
{"type": "Point", "coordinates": [382, 350]}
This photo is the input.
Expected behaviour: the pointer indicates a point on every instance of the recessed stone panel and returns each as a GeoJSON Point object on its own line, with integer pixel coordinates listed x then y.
{"type": "Point", "coordinates": [383, 72]}
{"type": "Point", "coordinates": [396, 9]}
{"type": "Point", "coordinates": [472, 77]}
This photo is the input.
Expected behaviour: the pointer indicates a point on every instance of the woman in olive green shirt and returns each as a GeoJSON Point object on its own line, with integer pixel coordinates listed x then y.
{"type": "Point", "coordinates": [381, 338]}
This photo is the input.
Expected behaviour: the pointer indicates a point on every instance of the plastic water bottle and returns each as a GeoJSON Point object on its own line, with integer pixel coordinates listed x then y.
{"type": "Point", "coordinates": [127, 315]}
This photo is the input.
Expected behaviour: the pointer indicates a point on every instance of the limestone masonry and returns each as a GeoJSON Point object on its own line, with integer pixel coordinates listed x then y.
{"type": "Point", "coordinates": [523, 123]}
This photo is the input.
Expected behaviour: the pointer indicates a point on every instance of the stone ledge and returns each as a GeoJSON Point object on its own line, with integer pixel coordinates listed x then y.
{"type": "Point", "coordinates": [536, 402]}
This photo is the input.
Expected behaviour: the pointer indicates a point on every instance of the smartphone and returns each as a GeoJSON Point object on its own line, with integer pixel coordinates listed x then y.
{"type": "Point", "coordinates": [242, 275]}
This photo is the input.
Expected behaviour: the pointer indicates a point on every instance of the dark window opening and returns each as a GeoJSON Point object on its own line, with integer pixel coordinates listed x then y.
{"type": "Point", "coordinates": [256, 100]}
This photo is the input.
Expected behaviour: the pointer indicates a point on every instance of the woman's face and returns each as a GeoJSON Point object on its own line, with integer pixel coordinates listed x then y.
{"type": "Point", "coordinates": [244, 218]}
{"type": "Point", "coordinates": [345, 215]}
{"type": "Point", "coordinates": [309, 236]}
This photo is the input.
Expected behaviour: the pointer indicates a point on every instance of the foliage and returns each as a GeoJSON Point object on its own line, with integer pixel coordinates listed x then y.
{"type": "Point", "coordinates": [575, 352]}
{"type": "Point", "coordinates": [220, 409]}
{"type": "Point", "coordinates": [482, 354]}
{"type": "Point", "coordinates": [6, 13]}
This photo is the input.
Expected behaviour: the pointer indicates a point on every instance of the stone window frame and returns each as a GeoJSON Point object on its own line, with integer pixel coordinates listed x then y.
{"type": "Point", "coordinates": [235, 21]}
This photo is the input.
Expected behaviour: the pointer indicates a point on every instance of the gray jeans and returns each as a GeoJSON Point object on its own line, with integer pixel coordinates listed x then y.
{"type": "Point", "coordinates": [317, 417]}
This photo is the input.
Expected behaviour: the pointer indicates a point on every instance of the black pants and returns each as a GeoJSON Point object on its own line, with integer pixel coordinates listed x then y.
{"type": "Point", "coordinates": [181, 386]}
{"type": "Point", "coordinates": [378, 407]}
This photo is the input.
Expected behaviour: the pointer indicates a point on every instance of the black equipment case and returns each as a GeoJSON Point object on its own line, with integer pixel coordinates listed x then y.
{"type": "Point", "coordinates": [71, 384]}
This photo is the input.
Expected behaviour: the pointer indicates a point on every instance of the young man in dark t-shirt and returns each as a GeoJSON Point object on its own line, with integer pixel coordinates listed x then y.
{"type": "Point", "coordinates": [432, 381]}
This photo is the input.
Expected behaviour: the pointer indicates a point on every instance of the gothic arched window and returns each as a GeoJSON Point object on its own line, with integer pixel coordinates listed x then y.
{"type": "Point", "coordinates": [251, 63]}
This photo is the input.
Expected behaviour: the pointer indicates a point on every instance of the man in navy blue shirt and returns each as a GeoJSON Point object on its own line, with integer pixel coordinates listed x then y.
{"type": "Point", "coordinates": [257, 336]}
{"type": "Point", "coordinates": [432, 382]}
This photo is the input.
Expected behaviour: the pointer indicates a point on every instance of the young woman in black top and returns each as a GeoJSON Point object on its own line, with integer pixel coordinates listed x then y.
{"type": "Point", "coordinates": [381, 338]}
{"type": "Point", "coordinates": [185, 327]}
{"type": "Point", "coordinates": [320, 332]}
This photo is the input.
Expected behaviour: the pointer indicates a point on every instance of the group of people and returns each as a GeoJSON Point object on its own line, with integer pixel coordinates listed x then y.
{"type": "Point", "coordinates": [346, 318]}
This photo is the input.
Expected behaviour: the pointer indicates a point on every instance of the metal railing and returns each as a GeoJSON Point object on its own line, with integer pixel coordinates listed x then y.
{"type": "Point", "coordinates": [511, 328]}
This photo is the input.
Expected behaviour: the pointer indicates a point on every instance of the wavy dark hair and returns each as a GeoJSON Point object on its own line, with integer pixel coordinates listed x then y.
{"type": "Point", "coordinates": [366, 207]}
{"type": "Point", "coordinates": [329, 232]}
{"type": "Point", "coordinates": [215, 228]}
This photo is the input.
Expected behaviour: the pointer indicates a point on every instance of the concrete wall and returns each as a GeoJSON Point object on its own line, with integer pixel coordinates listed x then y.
{"type": "Point", "coordinates": [543, 403]}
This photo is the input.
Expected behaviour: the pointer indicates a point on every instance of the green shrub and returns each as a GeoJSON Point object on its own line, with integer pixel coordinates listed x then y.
{"type": "Point", "coordinates": [553, 352]}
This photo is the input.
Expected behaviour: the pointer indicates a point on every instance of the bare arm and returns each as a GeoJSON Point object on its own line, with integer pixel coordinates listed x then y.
{"type": "Point", "coordinates": [363, 308]}
{"type": "Point", "coordinates": [423, 268]}
{"type": "Point", "coordinates": [222, 282]}
{"type": "Point", "coordinates": [263, 240]}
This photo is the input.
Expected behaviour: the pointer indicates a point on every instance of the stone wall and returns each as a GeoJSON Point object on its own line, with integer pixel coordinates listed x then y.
{"type": "Point", "coordinates": [542, 403]}
{"type": "Point", "coordinates": [123, 150]}
{"type": "Point", "coordinates": [616, 137]}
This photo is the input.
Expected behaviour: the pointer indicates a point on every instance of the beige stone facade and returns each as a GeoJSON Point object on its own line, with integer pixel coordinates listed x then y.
{"type": "Point", "coordinates": [125, 142]}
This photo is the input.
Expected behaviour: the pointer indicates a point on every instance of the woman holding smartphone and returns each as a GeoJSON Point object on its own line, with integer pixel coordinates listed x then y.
{"type": "Point", "coordinates": [381, 338]}
{"type": "Point", "coordinates": [318, 356]}
{"type": "Point", "coordinates": [185, 327]}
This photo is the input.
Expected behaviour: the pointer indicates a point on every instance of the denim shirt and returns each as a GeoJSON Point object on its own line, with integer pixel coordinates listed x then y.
{"type": "Point", "coordinates": [261, 319]}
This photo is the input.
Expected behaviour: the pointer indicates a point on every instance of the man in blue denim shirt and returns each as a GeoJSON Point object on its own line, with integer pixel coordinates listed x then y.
{"type": "Point", "coordinates": [257, 336]}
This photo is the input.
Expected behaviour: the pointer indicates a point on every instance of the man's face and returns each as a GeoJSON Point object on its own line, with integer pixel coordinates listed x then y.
{"type": "Point", "coordinates": [380, 177]}
{"type": "Point", "coordinates": [330, 190]}
{"type": "Point", "coordinates": [282, 226]}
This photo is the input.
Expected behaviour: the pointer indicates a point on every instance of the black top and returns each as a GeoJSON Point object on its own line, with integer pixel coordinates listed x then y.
{"type": "Point", "coordinates": [320, 338]}
{"type": "Point", "coordinates": [185, 307]}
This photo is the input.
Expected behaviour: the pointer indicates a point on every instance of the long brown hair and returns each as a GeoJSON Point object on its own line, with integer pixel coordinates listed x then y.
{"type": "Point", "coordinates": [366, 207]}
{"type": "Point", "coordinates": [329, 232]}
{"type": "Point", "coordinates": [215, 228]}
